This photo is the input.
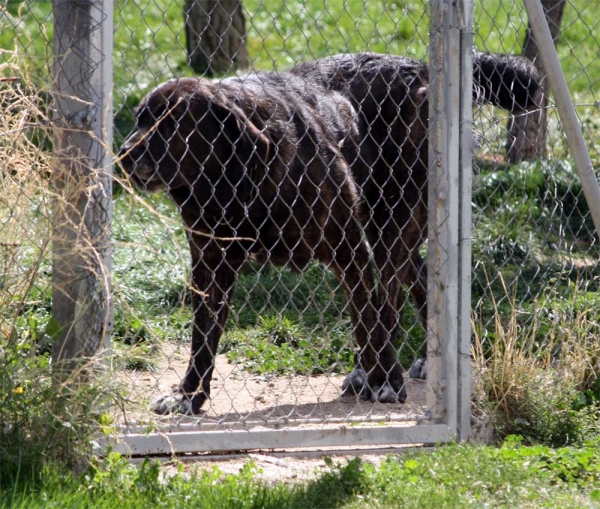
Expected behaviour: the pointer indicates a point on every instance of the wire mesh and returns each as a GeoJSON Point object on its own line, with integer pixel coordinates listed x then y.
{"type": "Point", "coordinates": [288, 340]}
{"type": "Point", "coordinates": [535, 249]}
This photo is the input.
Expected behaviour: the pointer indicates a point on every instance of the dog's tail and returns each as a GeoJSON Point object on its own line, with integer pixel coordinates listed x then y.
{"type": "Point", "coordinates": [507, 81]}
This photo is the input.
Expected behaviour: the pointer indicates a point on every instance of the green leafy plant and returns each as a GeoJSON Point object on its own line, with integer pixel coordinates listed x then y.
{"type": "Point", "coordinates": [279, 345]}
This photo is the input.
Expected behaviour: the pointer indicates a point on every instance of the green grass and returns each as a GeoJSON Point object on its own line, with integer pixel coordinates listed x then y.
{"type": "Point", "coordinates": [150, 44]}
{"type": "Point", "coordinates": [451, 476]}
{"type": "Point", "coordinates": [533, 227]}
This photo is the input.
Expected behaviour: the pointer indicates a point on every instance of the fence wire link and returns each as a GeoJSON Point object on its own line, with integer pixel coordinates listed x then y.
{"type": "Point", "coordinates": [289, 337]}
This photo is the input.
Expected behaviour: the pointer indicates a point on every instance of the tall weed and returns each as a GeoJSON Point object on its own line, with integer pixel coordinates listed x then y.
{"type": "Point", "coordinates": [41, 420]}
{"type": "Point", "coordinates": [534, 388]}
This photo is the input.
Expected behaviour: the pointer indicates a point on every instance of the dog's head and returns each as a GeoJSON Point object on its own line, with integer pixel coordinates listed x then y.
{"type": "Point", "coordinates": [188, 134]}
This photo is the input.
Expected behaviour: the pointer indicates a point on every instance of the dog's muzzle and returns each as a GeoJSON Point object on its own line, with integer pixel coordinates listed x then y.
{"type": "Point", "coordinates": [134, 161]}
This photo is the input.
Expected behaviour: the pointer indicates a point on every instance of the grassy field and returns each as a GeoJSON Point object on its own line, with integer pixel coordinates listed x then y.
{"type": "Point", "coordinates": [449, 477]}
{"type": "Point", "coordinates": [150, 43]}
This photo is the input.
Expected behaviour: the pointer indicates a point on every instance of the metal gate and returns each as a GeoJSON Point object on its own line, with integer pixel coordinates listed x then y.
{"type": "Point", "coordinates": [260, 401]}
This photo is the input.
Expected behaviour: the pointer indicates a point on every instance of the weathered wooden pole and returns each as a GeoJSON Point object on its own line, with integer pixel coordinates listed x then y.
{"type": "Point", "coordinates": [81, 182]}
{"type": "Point", "coordinates": [528, 132]}
{"type": "Point", "coordinates": [216, 36]}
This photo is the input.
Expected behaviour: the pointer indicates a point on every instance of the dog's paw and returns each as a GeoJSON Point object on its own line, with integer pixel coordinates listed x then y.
{"type": "Point", "coordinates": [355, 384]}
{"type": "Point", "coordinates": [387, 394]}
{"type": "Point", "coordinates": [177, 403]}
{"type": "Point", "coordinates": [186, 407]}
{"type": "Point", "coordinates": [167, 403]}
{"type": "Point", "coordinates": [418, 369]}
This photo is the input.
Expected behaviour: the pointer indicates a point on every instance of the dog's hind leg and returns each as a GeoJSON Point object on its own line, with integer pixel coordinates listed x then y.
{"type": "Point", "coordinates": [396, 242]}
{"type": "Point", "coordinates": [400, 268]}
{"type": "Point", "coordinates": [390, 288]}
{"type": "Point", "coordinates": [378, 376]}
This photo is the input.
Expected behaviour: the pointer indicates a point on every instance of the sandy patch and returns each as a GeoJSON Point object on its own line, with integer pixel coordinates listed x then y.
{"type": "Point", "coordinates": [240, 398]}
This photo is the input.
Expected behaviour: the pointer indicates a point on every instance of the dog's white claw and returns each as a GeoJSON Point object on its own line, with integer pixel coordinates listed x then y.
{"type": "Point", "coordinates": [167, 404]}
{"type": "Point", "coordinates": [418, 369]}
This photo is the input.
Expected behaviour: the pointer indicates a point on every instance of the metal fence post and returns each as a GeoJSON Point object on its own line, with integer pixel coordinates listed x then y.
{"type": "Point", "coordinates": [437, 330]}
{"type": "Point", "coordinates": [449, 220]}
{"type": "Point", "coordinates": [81, 182]}
{"type": "Point", "coordinates": [465, 14]}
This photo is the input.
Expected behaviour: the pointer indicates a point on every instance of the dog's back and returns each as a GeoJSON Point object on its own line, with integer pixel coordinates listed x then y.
{"type": "Point", "coordinates": [390, 96]}
{"type": "Point", "coordinates": [507, 81]}
{"type": "Point", "coordinates": [287, 103]}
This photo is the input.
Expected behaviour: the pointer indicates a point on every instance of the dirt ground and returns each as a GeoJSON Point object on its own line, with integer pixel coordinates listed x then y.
{"type": "Point", "coordinates": [239, 398]}
{"type": "Point", "coordinates": [243, 400]}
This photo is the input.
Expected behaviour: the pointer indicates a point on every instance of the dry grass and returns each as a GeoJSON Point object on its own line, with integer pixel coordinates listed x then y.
{"type": "Point", "coordinates": [25, 227]}
{"type": "Point", "coordinates": [530, 386]}
{"type": "Point", "coordinates": [40, 420]}
{"type": "Point", "coordinates": [579, 333]}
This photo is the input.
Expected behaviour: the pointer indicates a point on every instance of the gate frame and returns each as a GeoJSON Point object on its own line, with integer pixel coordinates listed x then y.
{"type": "Point", "coordinates": [447, 417]}
{"type": "Point", "coordinates": [450, 184]}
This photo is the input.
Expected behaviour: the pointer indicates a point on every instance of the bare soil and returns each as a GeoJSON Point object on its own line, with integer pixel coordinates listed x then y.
{"type": "Point", "coordinates": [241, 398]}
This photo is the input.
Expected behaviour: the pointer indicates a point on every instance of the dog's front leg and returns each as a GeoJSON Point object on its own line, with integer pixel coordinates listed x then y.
{"type": "Point", "coordinates": [213, 280]}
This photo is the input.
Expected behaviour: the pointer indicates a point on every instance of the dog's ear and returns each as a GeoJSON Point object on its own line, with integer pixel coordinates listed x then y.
{"type": "Point", "coordinates": [250, 146]}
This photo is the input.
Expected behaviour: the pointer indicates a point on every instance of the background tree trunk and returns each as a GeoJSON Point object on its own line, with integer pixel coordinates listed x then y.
{"type": "Point", "coordinates": [527, 133]}
{"type": "Point", "coordinates": [216, 36]}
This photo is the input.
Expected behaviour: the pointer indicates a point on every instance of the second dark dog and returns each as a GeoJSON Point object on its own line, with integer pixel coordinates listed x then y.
{"type": "Point", "coordinates": [390, 168]}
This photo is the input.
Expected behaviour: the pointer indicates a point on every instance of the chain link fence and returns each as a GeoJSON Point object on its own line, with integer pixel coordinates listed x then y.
{"type": "Point", "coordinates": [288, 341]}
{"type": "Point", "coordinates": [535, 247]}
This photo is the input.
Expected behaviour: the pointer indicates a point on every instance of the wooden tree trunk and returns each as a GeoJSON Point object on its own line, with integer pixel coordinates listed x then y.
{"type": "Point", "coordinates": [216, 36]}
{"type": "Point", "coordinates": [527, 133]}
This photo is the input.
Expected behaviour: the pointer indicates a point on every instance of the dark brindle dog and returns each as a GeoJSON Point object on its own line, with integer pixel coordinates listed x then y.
{"type": "Point", "coordinates": [389, 94]}
{"type": "Point", "coordinates": [254, 165]}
